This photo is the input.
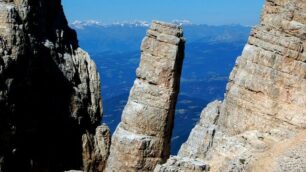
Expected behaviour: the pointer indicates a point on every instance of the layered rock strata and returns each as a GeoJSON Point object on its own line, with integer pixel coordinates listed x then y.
{"type": "Point", "coordinates": [261, 124]}
{"type": "Point", "coordinates": [49, 90]}
{"type": "Point", "coordinates": [142, 139]}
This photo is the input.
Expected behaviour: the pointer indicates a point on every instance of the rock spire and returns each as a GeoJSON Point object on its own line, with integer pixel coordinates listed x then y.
{"type": "Point", "coordinates": [142, 139]}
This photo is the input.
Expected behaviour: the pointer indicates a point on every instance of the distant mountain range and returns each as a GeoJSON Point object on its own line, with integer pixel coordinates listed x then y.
{"type": "Point", "coordinates": [210, 54]}
{"type": "Point", "coordinates": [96, 36]}
{"type": "Point", "coordinates": [93, 23]}
{"type": "Point", "coordinates": [136, 23]}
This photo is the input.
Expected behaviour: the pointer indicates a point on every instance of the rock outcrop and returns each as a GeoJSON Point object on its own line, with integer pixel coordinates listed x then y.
{"type": "Point", "coordinates": [96, 149]}
{"type": "Point", "coordinates": [142, 139]}
{"type": "Point", "coordinates": [49, 91]}
{"type": "Point", "coordinates": [261, 124]}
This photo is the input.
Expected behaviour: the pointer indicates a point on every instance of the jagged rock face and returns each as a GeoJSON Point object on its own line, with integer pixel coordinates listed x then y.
{"type": "Point", "coordinates": [142, 139]}
{"type": "Point", "coordinates": [261, 124]}
{"type": "Point", "coordinates": [96, 149]}
{"type": "Point", "coordinates": [177, 164]}
{"type": "Point", "coordinates": [267, 87]}
{"type": "Point", "coordinates": [192, 153]}
{"type": "Point", "coordinates": [49, 89]}
{"type": "Point", "coordinates": [205, 129]}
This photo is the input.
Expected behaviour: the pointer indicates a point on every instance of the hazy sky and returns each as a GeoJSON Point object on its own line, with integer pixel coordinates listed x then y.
{"type": "Point", "coordinates": [214, 12]}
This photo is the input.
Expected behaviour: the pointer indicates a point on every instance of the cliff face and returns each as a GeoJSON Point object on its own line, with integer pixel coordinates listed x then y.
{"type": "Point", "coordinates": [49, 90]}
{"type": "Point", "coordinates": [269, 78]}
{"type": "Point", "coordinates": [261, 124]}
{"type": "Point", "coordinates": [142, 139]}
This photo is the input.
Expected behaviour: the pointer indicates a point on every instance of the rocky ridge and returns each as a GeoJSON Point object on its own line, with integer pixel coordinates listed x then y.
{"type": "Point", "coordinates": [50, 103]}
{"type": "Point", "coordinates": [260, 125]}
{"type": "Point", "coordinates": [142, 139]}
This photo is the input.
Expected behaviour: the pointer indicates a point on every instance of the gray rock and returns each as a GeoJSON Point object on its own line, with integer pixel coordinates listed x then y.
{"type": "Point", "coordinates": [179, 164]}
{"type": "Point", "coordinates": [96, 153]}
{"type": "Point", "coordinates": [142, 139]}
{"type": "Point", "coordinates": [49, 90]}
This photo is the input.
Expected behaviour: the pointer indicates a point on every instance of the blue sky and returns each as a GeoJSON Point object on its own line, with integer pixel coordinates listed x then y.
{"type": "Point", "coordinates": [213, 12]}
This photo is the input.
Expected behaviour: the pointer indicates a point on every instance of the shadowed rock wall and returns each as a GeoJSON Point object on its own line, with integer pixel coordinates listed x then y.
{"type": "Point", "coordinates": [49, 89]}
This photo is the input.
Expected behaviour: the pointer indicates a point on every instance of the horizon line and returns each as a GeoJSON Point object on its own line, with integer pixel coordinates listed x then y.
{"type": "Point", "coordinates": [92, 22]}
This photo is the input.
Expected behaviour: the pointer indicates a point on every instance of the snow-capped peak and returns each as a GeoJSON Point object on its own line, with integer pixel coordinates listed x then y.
{"type": "Point", "coordinates": [135, 23]}
{"type": "Point", "coordinates": [77, 24]}
{"type": "Point", "coordinates": [182, 22]}
{"type": "Point", "coordinates": [82, 24]}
